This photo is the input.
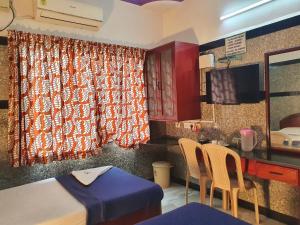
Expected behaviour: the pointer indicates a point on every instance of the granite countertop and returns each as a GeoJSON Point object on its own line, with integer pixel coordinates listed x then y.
{"type": "Point", "coordinates": [280, 159]}
{"type": "Point", "coordinates": [274, 158]}
{"type": "Point", "coordinates": [164, 140]}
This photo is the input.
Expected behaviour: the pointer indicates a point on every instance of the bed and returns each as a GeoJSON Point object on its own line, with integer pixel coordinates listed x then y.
{"type": "Point", "coordinates": [47, 202]}
{"type": "Point", "coordinates": [194, 214]}
{"type": "Point", "coordinates": [288, 137]}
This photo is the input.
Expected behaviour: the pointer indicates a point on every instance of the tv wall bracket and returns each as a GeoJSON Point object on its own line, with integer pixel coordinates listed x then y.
{"type": "Point", "coordinates": [228, 59]}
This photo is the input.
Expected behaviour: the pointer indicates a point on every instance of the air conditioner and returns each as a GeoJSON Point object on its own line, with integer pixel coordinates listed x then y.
{"type": "Point", "coordinates": [207, 61]}
{"type": "Point", "coordinates": [69, 13]}
{"type": "Point", "coordinates": [4, 5]}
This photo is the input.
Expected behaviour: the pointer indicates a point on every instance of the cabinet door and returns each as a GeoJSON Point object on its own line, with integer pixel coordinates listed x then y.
{"type": "Point", "coordinates": [168, 82]}
{"type": "Point", "coordinates": [152, 79]}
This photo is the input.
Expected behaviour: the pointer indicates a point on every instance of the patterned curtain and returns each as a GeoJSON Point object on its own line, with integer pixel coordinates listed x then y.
{"type": "Point", "coordinates": [70, 97]}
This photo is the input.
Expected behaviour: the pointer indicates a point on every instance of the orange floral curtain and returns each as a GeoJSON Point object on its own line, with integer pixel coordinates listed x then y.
{"type": "Point", "coordinates": [70, 97]}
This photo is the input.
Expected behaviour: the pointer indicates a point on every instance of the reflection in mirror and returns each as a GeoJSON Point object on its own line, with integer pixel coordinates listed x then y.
{"type": "Point", "coordinates": [284, 88]}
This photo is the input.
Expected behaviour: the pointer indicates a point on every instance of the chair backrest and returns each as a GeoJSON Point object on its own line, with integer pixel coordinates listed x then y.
{"type": "Point", "coordinates": [217, 155]}
{"type": "Point", "coordinates": [189, 150]}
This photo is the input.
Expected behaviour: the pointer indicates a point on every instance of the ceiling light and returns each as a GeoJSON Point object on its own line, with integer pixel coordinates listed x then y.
{"type": "Point", "coordinates": [245, 9]}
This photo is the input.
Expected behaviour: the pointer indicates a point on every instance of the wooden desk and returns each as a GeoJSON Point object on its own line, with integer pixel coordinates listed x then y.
{"type": "Point", "coordinates": [280, 167]}
{"type": "Point", "coordinates": [277, 166]}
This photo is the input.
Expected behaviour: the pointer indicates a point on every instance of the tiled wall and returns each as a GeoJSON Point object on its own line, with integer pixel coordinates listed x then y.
{"type": "Point", "coordinates": [136, 161]}
{"type": "Point", "coordinates": [231, 118]}
{"type": "Point", "coordinates": [3, 73]}
{"type": "Point", "coordinates": [3, 96]}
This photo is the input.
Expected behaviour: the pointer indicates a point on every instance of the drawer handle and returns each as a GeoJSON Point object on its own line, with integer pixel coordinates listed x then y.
{"type": "Point", "coordinates": [158, 85]}
{"type": "Point", "coordinates": [276, 173]}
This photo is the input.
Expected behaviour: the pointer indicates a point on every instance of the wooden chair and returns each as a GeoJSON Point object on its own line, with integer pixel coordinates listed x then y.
{"type": "Point", "coordinates": [189, 149]}
{"type": "Point", "coordinates": [217, 155]}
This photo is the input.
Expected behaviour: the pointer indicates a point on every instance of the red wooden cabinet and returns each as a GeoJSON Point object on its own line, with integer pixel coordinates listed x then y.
{"type": "Point", "coordinates": [172, 79]}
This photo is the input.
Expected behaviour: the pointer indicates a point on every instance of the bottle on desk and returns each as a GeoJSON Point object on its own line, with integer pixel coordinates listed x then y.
{"type": "Point", "coordinates": [248, 139]}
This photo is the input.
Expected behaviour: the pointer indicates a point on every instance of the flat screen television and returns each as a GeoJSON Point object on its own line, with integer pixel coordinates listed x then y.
{"type": "Point", "coordinates": [233, 85]}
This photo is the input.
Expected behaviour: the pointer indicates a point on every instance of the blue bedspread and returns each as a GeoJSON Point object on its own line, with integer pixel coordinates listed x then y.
{"type": "Point", "coordinates": [112, 195]}
{"type": "Point", "coordinates": [194, 214]}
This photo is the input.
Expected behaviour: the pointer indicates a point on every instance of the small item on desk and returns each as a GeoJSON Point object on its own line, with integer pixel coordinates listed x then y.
{"type": "Point", "coordinates": [248, 139]}
{"type": "Point", "coordinates": [236, 142]}
{"type": "Point", "coordinates": [203, 141]}
{"type": "Point", "coordinates": [286, 142]}
{"type": "Point", "coordinates": [223, 143]}
{"type": "Point", "coordinates": [220, 142]}
{"type": "Point", "coordinates": [296, 144]}
{"type": "Point", "coordinates": [215, 142]}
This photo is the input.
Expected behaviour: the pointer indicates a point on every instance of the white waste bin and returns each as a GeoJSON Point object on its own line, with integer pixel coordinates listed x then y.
{"type": "Point", "coordinates": [161, 171]}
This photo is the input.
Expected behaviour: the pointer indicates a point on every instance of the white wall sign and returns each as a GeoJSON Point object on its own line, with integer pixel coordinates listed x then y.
{"type": "Point", "coordinates": [235, 45]}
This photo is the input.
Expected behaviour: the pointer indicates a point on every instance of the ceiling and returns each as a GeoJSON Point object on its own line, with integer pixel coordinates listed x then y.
{"type": "Point", "coordinates": [159, 6]}
{"type": "Point", "coordinates": [143, 2]}
{"type": "Point", "coordinates": [162, 6]}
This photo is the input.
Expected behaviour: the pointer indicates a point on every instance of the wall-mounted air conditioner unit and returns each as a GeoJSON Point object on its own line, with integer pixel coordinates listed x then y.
{"type": "Point", "coordinates": [4, 5]}
{"type": "Point", "coordinates": [69, 13]}
{"type": "Point", "coordinates": [207, 61]}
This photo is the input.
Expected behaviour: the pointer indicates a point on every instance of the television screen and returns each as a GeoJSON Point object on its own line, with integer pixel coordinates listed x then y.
{"type": "Point", "coordinates": [233, 85]}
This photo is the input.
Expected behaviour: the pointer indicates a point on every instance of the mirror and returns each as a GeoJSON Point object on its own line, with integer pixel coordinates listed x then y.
{"type": "Point", "coordinates": [283, 100]}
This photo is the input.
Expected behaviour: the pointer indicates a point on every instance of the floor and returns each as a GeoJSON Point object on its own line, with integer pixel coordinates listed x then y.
{"type": "Point", "coordinates": [175, 197]}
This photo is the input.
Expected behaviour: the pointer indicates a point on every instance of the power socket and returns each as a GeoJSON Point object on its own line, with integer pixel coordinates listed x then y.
{"type": "Point", "coordinates": [187, 125]}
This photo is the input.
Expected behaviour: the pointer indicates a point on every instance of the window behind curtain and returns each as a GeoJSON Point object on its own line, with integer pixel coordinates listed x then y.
{"type": "Point", "coordinates": [70, 97]}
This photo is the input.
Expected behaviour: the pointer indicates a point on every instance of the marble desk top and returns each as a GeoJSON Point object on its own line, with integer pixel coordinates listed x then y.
{"type": "Point", "coordinates": [280, 159]}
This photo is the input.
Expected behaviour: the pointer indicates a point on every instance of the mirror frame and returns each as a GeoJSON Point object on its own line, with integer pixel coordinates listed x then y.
{"type": "Point", "coordinates": [267, 94]}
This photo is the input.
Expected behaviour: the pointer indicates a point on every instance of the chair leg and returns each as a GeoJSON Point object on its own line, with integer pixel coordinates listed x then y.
{"type": "Point", "coordinates": [202, 182]}
{"type": "Point", "coordinates": [228, 200]}
{"type": "Point", "coordinates": [256, 205]}
{"type": "Point", "coordinates": [234, 201]}
{"type": "Point", "coordinates": [187, 181]}
{"type": "Point", "coordinates": [225, 199]}
{"type": "Point", "coordinates": [231, 202]}
{"type": "Point", "coordinates": [211, 197]}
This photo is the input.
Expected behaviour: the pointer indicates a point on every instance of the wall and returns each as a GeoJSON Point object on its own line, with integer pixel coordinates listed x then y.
{"type": "Point", "coordinates": [124, 24]}
{"type": "Point", "coordinates": [230, 119]}
{"type": "Point", "coordinates": [3, 96]}
{"type": "Point", "coordinates": [198, 22]}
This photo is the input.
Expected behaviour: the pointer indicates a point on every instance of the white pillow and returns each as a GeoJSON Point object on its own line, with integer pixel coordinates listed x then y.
{"type": "Point", "coordinates": [291, 131]}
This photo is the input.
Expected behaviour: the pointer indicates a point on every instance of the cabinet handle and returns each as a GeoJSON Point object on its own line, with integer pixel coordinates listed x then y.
{"type": "Point", "coordinates": [276, 173]}
{"type": "Point", "coordinates": [158, 85]}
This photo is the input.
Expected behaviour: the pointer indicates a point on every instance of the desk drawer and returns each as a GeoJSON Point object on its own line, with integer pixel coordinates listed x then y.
{"type": "Point", "coordinates": [273, 172]}
{"type": "Point", "coordinates": [252, 167]}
